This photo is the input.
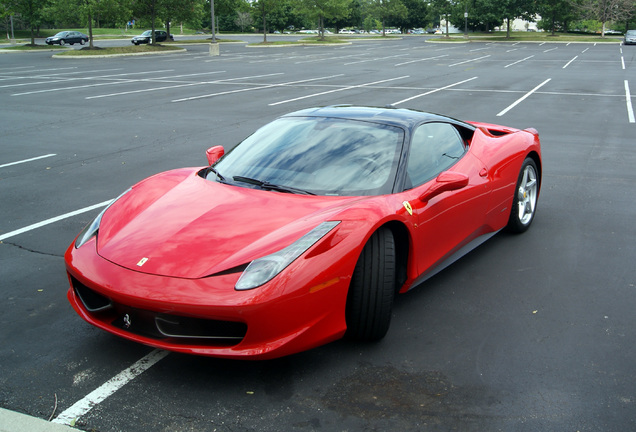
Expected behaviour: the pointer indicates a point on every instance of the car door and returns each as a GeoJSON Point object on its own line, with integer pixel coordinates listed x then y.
{"type": "Point", "coordinates": [439, 157]}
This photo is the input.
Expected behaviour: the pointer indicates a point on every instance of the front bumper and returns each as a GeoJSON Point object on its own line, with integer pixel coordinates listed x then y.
{"type": "Point", "coordinates": [208, 316]}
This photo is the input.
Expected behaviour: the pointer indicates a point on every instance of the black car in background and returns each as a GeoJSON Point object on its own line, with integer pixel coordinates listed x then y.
{"type": "Point", "coordinates": [67, 37]}
{"type": "Point", "coordinates": [146, 37]}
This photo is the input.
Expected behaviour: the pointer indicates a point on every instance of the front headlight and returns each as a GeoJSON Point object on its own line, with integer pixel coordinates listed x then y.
{"type": "Point", "coordinates": [264, 269]}
{"type": "Point", "coordinates": [91, 229]}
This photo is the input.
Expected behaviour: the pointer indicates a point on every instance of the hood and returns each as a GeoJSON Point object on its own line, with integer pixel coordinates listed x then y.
{"type": "Point", "coordinates": [178, 224]}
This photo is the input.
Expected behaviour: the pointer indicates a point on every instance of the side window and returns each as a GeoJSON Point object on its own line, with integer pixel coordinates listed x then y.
{"type": "Point", "coordinates": [434, 148]}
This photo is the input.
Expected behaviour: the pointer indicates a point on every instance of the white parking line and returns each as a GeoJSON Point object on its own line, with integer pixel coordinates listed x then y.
{"type": "Point", "coordinates": [255, 88]}
{"type": "Point", "coordinates": [374, 59]}
{"type": "Point", "coordinates": [630, 108]}
{"type": "Point", "coordinates": [433, 91]}
{"type": "Point", "coordinates": [52, 220]}
{"type": "Point", "coordinates": [518, 61]}
{"type": "Point", "coordinates": [568, 63]}
{"type": "Point", "coordinates": [468, 61]}
{"type": "Point", "coordinates": [117, 81]}
{"type": "Point", "coordinates": [524, 97]}
{"type": "Point", "coordinates": [27, 160]}
{"type": "Point", "coordinates": [98, 395]}
{"type": "Point", "coordinates": [420, 60]}
{"type": "Point", "coordinates": [337, 90]}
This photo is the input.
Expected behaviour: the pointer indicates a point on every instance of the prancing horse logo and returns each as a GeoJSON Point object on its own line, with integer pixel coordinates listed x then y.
{"type": "Point", "coordinates": [127, 321]}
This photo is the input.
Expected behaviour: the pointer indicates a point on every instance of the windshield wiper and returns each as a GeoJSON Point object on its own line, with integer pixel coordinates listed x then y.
{"type": "Point", "coordinates": [218, 175]}
{"type": "Point", "coordinates": [271, 186]}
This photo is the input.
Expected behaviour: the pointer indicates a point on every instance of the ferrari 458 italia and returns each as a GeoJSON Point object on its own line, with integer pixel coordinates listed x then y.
{"type": "Point", "coordinates": [301, 234]}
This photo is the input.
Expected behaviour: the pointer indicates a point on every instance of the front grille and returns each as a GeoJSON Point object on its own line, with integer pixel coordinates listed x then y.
{"type": "Point", "coordinates": [160, 326]}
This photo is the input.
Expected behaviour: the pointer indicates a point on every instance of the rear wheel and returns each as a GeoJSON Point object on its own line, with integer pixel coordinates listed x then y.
{"type": "Point", "coordinates": [372, 289]}
{"type": "Point", "coordinates": [524, 203]}
{"type": "Point", "coordinates": [82, 41]}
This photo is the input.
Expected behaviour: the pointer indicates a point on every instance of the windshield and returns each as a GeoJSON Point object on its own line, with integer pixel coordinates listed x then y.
{"type": "Point", "coordinates": [61, 34]}
{"type": "Point", "coordinates": [323, 156]}
{"type": "Point", "coordinates": [631, 33]}
{"type": "Point", "coordinates": [147, 33]}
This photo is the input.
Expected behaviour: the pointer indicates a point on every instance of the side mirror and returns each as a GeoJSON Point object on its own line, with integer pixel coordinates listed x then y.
{"type": "Point", "coordinates": [214, 154]}
{"type": "Point", "coordinates": [445, 182]}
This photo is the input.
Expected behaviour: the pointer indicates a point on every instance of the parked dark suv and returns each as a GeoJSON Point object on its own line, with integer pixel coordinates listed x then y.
{"type": "Point", "coordinates": [146, 37]}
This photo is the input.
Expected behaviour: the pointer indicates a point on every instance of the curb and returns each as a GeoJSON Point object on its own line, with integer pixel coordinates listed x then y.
{"type": "Point", "coordinates": [118, 55]}
{"type": "Point", "coordinates": [11, 421]}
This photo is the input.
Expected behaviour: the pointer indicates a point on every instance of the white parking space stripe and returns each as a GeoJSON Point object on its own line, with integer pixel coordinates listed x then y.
{"type": "Point", "coordinates": [55, 76]}
{"type": "Point", "coordinates": [468, 61]}
{"type": "Point", "coordinates": [73, 87]}
{"type": "Point", "coordinates": [527, 95]}
{"type": "Point", "coordinates": [568, 63]}
{"type": "Point", "coordinates": [373, 59]}
{"type": "Point", "coordinates": [433, 91]}
{"type": "Point", "coordinates": [337, 90]}
{"type": "Point", "coordinates": [630, 107]}
{"type": "Point", "coordinates": [421, 60]}
{"type": "Point", "coordinates": [518, 61]}
{"type": "Point", "coordinates": [221, 81]}
{"type": "Point", "coordinates": [38, 70]}
{"type": "Point", "coordinates": [53, 220]}
{"type": "Point", "coordinates": [98, 395]}
{"type": "Point", "coordinates": [144, 90]}
{"type": "Point", "coordinates": [255, 88]}
{"type": "Point", "coordinates": [27, 160]}
{"type": "Point", "coordinates": [116, 81]}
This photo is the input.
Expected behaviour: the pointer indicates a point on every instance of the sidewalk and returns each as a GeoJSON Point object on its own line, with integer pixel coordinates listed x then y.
{"type": "Point", "coordinates": [11, 421]}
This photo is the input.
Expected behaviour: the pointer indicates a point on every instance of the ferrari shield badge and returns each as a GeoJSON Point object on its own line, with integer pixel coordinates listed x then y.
{"type": "Point", "coordinates": [407, 206]}
{"type": "Point", "coordinates": [142, 261]}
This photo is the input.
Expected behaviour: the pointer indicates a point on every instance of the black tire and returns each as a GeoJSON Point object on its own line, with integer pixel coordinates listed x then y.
{"type": "Point", "coordinates": [526, 196]}
{"type": "Point", "coordinates": [62, 42]}
{"type": "Point", "coordinates": [82, 41]}
{"type": "Point", "coordinates": [372, 289]}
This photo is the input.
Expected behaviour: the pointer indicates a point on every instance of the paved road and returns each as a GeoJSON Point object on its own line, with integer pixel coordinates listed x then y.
{"type": "Point", "coordinates": [526, 333]}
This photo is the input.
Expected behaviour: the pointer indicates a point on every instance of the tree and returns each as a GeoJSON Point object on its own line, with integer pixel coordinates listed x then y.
{"type": "Point", "coordinates": [32, 13]}
{"type": "Point", "coordinates": [321, 9]}
{"type": "Point", "coordinates": [554, 13]}
{"type": "Point", "coordinates": [442, 7]}
{"type": "Point", "coordinates": [419, 14]}
{"type": "Point", "coordinates": [608, 10]}
{"type": "Point", "coordinates": [387, 11]}
{"type": "Point", "coordinates": [243, 19]}
{"type": "Point", "coordinates": [179, 10]}
{"type": "Point", "coordinates": [263, 8]}
{"type": "Point", "coordinates": [148, 8]}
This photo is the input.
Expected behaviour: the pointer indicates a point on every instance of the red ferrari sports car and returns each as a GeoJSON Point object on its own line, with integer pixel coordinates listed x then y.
{"type": "Point", "coordinates": [302, 233]}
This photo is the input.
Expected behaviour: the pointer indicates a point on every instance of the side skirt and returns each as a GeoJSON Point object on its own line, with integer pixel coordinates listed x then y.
{"type": "Point", "coordinates": [452, 258]}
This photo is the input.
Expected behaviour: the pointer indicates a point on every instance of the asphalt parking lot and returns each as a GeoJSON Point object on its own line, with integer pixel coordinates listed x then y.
{"type": "Point", "coordinates": [535, 332]}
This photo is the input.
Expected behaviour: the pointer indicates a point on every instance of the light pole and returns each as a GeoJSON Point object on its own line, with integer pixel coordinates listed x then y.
{"type": "Point", "coordinates": [214, 46]}
{"type": "Point", "coordinates": [466, 21]}
{"type": "Point", "coordinates": [212, 21]}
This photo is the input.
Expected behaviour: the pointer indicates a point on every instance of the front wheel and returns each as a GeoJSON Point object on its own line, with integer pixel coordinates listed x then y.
{"type": "Point", "coordinates": [524, 202]}
{"type": "Point", "coordinates": [62, 42]}
{"type": "Point", "coordinates": [372, 289]}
